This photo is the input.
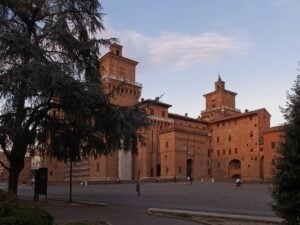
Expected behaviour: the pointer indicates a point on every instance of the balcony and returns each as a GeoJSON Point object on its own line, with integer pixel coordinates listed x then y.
{"type": "Point", "coordinates": [223, 108]}
{"type": "Point", "coordinates": [113, 77]}
{"type": "Point", "coordinates": [158, 118]}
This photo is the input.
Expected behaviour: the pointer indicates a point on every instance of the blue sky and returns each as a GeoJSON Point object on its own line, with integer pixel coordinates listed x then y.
{"type": "Point", "coordinates": [182, 47]}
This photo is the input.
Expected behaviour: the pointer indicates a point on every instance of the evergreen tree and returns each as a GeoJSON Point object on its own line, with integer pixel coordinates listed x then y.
{"type": "Point", "coordinates": [286, 183]}
{"type": "Point", "coordinates": [51, 94]}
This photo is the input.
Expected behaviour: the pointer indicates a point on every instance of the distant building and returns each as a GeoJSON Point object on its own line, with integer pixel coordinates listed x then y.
{"type": "Point", "coordinates": [272, 140]}
{"type": "Point", "coordinates": [222, 143]}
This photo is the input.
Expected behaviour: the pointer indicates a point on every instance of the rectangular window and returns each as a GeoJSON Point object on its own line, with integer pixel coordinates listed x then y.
{"type": "Point", "coordinates": [229, 137]}
{"type": "Point", "coordinates": [224, 152]}
{"type": "Point", "coordinates": [218, 152]}
{"type": "Point", "coordinates": [229, 151]}
{"type": "Point", "coordinates": [273, 145]}
{"type": "Point", "coordinates": [213, 103]}
{"type": "Point", "coordinates": [251, 133]}
{"type": "Point", "coordinates": [152, 111]}
{"type": "Point", "coordinates": [235, 151]}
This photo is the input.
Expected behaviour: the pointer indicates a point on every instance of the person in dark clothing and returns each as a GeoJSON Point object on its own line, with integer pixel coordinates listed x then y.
{"type": "Point", "coordinates": [138, 187]}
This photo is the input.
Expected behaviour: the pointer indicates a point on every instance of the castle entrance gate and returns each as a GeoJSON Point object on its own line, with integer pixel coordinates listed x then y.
{"type": "Point", "coordinates": [234, 169]}
{"type": "Point", "coordinates": [189, 167]}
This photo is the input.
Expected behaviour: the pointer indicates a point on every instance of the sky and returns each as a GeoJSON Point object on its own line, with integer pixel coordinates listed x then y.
{"type": "Point", "coordinates": [182, 46]}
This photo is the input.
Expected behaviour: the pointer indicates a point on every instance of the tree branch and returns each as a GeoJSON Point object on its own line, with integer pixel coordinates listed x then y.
{"type": "Point", "coordinates": [5, 167]}
{"type": "Point", "coordinates": [6, 153]}
{"type": "Point", "coordinates": [3, 146]}
{"type": "Point", "coordinates": [60, 13]}
{"type": "Point", "coordinates": [32, 116]}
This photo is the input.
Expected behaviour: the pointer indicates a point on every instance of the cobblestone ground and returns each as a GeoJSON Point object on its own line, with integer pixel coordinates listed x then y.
{"type": "Point", "coordinates": [251, 199]}
{"type": "Point", "coordinates": [114, 215]}
{"type": "Point", "coordinates": [217, 221]}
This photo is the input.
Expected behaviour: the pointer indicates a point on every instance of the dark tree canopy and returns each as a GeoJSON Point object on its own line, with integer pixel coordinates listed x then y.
{"type": "Point", "coordinates": [286, 183]}
{"type": "Point", "coordinates": [51, 94]}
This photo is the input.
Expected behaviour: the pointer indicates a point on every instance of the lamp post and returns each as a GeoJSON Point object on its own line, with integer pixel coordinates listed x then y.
{"type": "Point", "coordinates": [70, 177]}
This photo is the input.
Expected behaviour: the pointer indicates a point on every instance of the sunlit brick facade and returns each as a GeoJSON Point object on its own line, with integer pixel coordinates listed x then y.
{"type": "Point", "coordinates": [272, 140]}
{"type": "Point", "coordinates": [222, 143]}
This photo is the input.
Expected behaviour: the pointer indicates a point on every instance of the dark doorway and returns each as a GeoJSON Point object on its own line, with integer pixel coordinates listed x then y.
{"type": "Point", "coordinates": [234, 169]}
{"type": "Point", "coordinates": [261, 168]}
{"type": "Point", "coordinates": [189, 167]}
{"type": "Point", "coordinates": [236, 176]}
{"type": "Point", "coordinates": [158, 170]}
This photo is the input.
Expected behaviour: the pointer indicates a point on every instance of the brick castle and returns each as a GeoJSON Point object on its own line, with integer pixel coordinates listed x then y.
{"type": "Point", "coordinates": [222, 143]}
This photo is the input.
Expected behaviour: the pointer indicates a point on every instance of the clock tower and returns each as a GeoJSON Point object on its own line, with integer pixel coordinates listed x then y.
{"type": "Point", "coordinates": [220, 103]}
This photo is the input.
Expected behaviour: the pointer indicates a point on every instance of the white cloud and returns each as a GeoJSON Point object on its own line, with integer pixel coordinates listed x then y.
{"type": "Point", "coordinates": [291, 5]}
{"type": "Point", "coordinates": [280, 2]}
{"type": "Point", "coordinates": [177, 50]}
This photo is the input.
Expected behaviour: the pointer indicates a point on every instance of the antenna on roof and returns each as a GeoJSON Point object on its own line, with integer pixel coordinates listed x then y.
{"type": "Point", "coordinates": [219, 79]}
{"type": "Point", "coordinates": [162, 95]}
{"type": "Point", "coordinates": [159, 97]}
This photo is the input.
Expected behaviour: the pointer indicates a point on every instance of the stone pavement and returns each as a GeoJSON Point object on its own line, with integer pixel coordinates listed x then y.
{"type": "Point", "coordinates": [215, 218]}
{"type": "Point", "coordinates": [251, 199]}
{"type": "Point", "coordinates": [112, 214]}
{"type": "Point", "coordinates": [123, 215]}
{"type": "Point", "coordinates": [124, 207]}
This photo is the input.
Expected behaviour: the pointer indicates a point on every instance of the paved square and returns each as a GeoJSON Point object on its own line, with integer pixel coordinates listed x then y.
{"type": "Point", "coordinates": [251, 199]}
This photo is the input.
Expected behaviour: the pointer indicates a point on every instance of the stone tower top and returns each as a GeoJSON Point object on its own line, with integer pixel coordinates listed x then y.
{"type": "Point", "coordinates": [118, 77]}
{"type": "Point", "coordinates": [116, 49]}
{"type": "Point", "coordinates": [220, 103]}
{"type": "Point", "coordinates": [219, 84]}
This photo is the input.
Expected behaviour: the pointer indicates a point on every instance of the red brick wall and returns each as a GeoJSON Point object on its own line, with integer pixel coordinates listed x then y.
{"type": "Point", "coordinates": [272, 140]}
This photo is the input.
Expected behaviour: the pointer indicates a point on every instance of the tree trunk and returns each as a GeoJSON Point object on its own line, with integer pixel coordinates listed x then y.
{"type": "Point", "coordinates": [16, 166]}
{"type": "Point", "coordinates": [13, 179]}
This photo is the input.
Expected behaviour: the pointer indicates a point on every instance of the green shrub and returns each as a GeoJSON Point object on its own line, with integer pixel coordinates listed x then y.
{"type": "Point", "coordinates": [86, 222]}
{"type": "Point", "coordinates": [77, 223]}
{"type": "Point", "coordinates": [14, 212]}
{"type": "Point", "coordinates": [7, 197]}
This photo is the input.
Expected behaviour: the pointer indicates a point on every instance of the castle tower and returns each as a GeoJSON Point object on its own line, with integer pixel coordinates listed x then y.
{"type": "Point", "coordinates": [118, 77]}
{"type": "Point", "coordinates": [219, 103]}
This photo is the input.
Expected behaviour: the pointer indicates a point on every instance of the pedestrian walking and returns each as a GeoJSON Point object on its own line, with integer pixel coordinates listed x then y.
{"type": "Point", "coordinates": [32, 181]}
{"type": "Point", "coordinates": [138, 187]}
{"type": "Point", "coordinates": [238, 182]}
{"type": "Point", "coordinates": [189, 179]}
